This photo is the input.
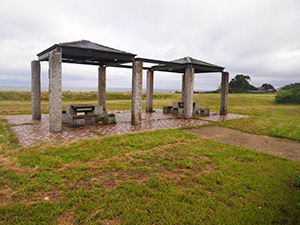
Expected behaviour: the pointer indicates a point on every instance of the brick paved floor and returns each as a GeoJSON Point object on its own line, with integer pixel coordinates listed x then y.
{"type": "Point", "coordinates": [31, 132]}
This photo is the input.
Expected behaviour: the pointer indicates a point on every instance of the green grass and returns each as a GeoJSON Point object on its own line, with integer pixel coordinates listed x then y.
{"type": "Point", "coordinates": [85, 151]}
{"type": "Point", "coordinates": [274, 122]}
{"type": "Point", "coordinates": [165, 182]}
{"type": "Point", "coordinates": [76, 96]}
{"type": "Point", "coordinates": [267, 117]}
{"type": "Point", "coordinates": [158, 177]}
{"type": "Point", "coordinates": [15, 103]}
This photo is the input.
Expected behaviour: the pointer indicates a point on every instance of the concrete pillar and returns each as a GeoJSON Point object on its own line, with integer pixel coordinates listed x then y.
{"type": "Point", "coordinates": [36, 89]}
{"type": "Point", "coordinates": [149, 92]}
{"type": "Point", "coordinates": [183, 88]}
{"type": "Point", "coordinates": [102, 87]}
{"type": "Point", "coordinates": [189, 93]}
{"type": "Point", "coordinates": [136, 99]}
{"type": "Point", "coordinates": [55, 97]}
{"type": "Point", "coordinates": [224, 93]}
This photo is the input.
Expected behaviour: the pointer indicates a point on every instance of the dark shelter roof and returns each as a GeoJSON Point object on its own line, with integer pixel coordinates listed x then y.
{"type": "Point", "coordinates": [179, 66]}
{"type": "Point", "coordinates": [86, 52]}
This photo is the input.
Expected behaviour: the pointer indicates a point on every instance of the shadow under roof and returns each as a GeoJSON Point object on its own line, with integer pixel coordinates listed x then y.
{"type": "Point", "coordinates": [179, 66]}
{"type": "Point", "coordinates": [86, 52]}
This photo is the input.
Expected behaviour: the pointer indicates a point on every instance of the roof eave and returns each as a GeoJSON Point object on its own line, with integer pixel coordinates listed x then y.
{"type": "Point", "coordinates": [48, 50]}
{"type": "Point", "coordinates": [181, 68]}
{"type": "Point", "coordinates": [44, 55]}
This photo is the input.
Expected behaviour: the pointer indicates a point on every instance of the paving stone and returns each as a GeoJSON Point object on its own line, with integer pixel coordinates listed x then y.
{"type": "Point", "coordinates": [31, 132]}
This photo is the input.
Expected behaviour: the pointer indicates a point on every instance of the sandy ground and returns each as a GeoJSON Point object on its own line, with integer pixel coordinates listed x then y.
{"type": "Point", "coordinates": [274, 146]}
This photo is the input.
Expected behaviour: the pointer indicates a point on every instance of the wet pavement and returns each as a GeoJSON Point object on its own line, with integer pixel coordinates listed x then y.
{"type": "Point", "coordinates": [31, 132]}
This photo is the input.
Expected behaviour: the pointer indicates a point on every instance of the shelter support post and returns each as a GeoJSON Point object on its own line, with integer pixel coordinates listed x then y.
{"type": "Point", "coordinates": [183, 88]}
{"type": "Point", "coordinates": [102, 87]}
{"type": "Point", "coordinates": [189, 92]}
{"type": "Point", "coordinates": [224, 93]}
{"type": "Point", "coordinates": [136, 99]}
{"type": "Point", "coordinates": [36, 89]}
{"type": "Point", "coordinates": [149, 92]}
{"type": "Point", "coordinates": [55, 96]}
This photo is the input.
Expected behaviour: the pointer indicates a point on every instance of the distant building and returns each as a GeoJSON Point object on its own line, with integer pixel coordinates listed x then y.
{"type": "Point", "coordinates": [262, 90]}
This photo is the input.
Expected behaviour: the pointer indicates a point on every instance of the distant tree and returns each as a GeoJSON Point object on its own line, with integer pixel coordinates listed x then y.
{"type": "Point", "coordinates": [267, 86]}
{"type": "Point", "coordinates": [290, 86]}
{"type": "Point", "coordinates": [240, 84]}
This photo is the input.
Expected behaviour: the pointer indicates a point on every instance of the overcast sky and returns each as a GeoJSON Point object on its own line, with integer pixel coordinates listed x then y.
{"type": "Point", "coordinates": [260, 38]}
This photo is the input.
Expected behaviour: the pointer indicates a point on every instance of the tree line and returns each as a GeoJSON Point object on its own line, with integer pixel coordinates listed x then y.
{"type": "Point", "coordinates": [240, 84]}
{"type": "Point", "coordinates": [287, 94]}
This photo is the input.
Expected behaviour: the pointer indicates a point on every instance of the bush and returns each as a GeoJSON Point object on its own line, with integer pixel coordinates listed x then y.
{"type": "Point", "coordinates": [291, 96]}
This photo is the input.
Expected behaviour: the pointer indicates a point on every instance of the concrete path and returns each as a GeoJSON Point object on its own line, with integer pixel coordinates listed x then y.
{"type": "Point", "coordinates": [274, 146]}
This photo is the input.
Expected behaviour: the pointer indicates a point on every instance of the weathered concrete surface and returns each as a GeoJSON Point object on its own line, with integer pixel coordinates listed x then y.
{"type": "Point", "coordinates": [136, 99]}
{"type": "Point", "coordinates": [168, 109]}
{"type": "Point", "coordinates": [102, 87]}
{"type": "Point", "coordinates": [224, 93]}
{"type": "Point", "coordinates": [204, 112]}
{"type": "Point", "coordinates": [149, 92]}
{"type": "Point", "coordinates": [55, 97]}
{"type": "Point", "coordinates": [98, 109]}
{"type": "Point", "coordinates": [189, 93]}
{"type": "Point", "coordinates": [274, 146]}
{"type": "Point", "coordinates": [183, 88]}
{"type": "Point", "coordinates": [37, 131]}
{"type": "Point", "coordinates": [36, 89]}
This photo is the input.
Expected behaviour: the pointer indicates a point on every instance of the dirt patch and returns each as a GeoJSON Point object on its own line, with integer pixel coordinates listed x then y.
{"type": "Point", "coordinates": [274, 146]}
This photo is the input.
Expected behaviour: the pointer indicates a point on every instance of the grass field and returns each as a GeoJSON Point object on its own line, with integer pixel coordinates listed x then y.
{"type": "Point", "coordinates": [146, 179]}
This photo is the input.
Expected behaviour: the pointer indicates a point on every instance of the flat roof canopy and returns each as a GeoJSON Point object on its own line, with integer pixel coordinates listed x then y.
{"type": "Point", "coordinates": [86, 52]}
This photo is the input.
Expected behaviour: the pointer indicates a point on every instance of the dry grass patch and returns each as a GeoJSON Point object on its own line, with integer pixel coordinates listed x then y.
{"type": "Point", "coordinates": [114, 221]}
{"type": "Point", "coordinates": [6, 196]}
{"type": "Point", "coordinates": [9, 164]}
{"type": "Point", "coordinates": [66, 218]}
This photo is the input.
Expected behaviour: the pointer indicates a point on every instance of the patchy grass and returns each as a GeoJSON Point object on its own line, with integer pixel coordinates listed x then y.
{"type": "Point", "coordinates": [16, 103]}
{"type": "Point", "coordinates": [271, 121]}
{"type": "Point", "coordinates": [88, 150]}
{"type": "Point", "coordinates": [182, 179]}
{"type": "Point", "coordinates": [267, 117]}
{"type": "Point", "coordinates": [158, 177]}
{"type": "Point", "coordinates": [78, 96]}
{"type": "Point", "coordinates": [8, 140]}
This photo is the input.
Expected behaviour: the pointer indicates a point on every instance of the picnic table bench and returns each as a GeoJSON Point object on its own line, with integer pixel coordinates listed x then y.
{"type": "Point", "coordinates": [82, 114]}
{"type": "Point", "coordinates": [178, 109]}
{"type": "Point", "coordinates": [85, 108]}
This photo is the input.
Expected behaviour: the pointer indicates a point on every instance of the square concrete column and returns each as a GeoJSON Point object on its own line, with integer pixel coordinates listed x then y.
{"type": "Point", "coordinates": [36, 89]}
{"type": "Point", "coordinates": [183, 88]}
{"type": "Point", "coordinates": [55, 96]}
{"type": "Point", "coordinates": [102, 87]}
{"type": "Point", "coordinates": [149, 92]}
{"type": "Point", "coordinates": [136, 99]}
{"type": "Point", "coordinates": [224, 93]}
{"type": "Point", "coordinates": [189, 93]}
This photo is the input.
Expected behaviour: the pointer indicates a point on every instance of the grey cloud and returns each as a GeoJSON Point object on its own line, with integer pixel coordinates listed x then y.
{"type": "Point", "coordinates": [259, 38]}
